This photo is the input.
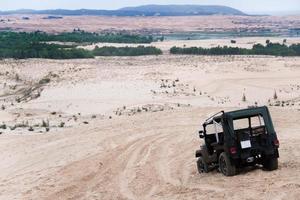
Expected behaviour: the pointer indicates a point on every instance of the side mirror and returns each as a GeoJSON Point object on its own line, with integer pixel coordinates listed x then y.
{"type": "Point", "coordinates": [201, 134]}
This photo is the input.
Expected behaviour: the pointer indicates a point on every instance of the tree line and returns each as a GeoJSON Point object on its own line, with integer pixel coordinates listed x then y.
{"type": "Point", "coordinates": [36, 45]}
{"type": "Point", "coordinates": [126, 51]}
{"type": "Point", "coordinates": [21, 45]}
{"type": "Point", "coordinates": [274, 49]}
{"type": "Point", "coordinates": [79, 36]}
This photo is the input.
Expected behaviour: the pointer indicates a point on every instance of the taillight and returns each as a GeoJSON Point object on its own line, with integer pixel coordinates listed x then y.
{"type": "Point", "coordinates": [276, 142]}
{"type": "Point", "coordinates": [233, 150]}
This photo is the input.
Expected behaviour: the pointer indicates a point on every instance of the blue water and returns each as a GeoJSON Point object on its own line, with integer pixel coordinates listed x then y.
{"type": "Point", "coordinates": [225, 35]}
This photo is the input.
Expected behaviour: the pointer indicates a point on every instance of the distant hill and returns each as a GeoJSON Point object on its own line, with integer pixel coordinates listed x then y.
{"type": "Point", "coordinates": [147, 10]}
{"type": "Point", "coordinates": [185, 10]}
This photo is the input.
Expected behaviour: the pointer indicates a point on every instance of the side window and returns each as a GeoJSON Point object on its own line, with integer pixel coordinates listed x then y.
{"type": "Point", "coordinates": [218, 126]}
{"type": "Point", "coordinates": [214, 128]}
{"type": "Point", "coordinates": [210, 129]}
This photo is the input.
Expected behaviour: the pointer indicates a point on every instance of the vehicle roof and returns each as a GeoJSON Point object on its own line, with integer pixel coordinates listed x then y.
{"type": "Point", "coordinates": [243, 113]}
{"type": "Point", "coordinates": [247, 112]}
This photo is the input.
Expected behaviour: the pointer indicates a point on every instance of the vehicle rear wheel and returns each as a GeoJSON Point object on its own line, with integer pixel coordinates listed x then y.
{"type": "Point", "coordinates": [270, 163]}
{"type": "Point", "coordinates": [202, 166]}
{"type": "Point", "coordinates": [225, 165]}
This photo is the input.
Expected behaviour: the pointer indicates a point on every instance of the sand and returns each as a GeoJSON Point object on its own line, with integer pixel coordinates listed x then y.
{"type": "Point", "coordinates": [146, 25]}
{"type": "Point", "coordinates": [130, 126]}
{"type": "Point", "coordinates": [241, 42]}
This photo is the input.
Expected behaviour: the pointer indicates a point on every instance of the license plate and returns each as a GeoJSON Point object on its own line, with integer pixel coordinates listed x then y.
{"type": "Point", "coordinates": [246, 144]}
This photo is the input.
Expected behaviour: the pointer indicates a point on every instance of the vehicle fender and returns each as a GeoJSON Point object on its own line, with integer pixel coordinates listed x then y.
{"type": "Point", "coordinates": [276, 153]}
{"type": "Point", "coordinates": [198, 153]}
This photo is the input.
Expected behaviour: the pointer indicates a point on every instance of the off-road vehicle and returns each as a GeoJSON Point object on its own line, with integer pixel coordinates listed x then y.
{"type": "Point", "coordinates": [236, 139]}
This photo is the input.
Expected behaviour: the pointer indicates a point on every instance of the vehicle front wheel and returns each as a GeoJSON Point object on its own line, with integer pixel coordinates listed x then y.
{"type": "Point", "coordinates": [270, 164]}
{"type": "Point", "coordinates": [202, 166]}
{"type": "Point", "coordinates": [226, 167]}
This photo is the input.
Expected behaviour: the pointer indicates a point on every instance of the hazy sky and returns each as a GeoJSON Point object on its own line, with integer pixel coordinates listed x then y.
{"type": "Point", "coordinates": [244, 5]}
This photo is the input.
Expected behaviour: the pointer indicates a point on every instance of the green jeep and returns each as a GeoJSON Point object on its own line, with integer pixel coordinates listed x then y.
{"type": "Point", "coordinates": [237, 139]}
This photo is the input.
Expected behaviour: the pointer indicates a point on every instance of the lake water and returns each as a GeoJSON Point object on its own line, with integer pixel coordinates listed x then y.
{"type": "Point", "coordinates": [224, 35]}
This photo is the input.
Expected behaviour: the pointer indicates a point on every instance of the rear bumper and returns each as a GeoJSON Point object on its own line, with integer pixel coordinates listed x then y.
{"type": "Point", "coordinates": [253, 156]}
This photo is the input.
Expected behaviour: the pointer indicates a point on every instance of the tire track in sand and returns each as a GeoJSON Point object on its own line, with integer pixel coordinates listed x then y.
{"type": "Point", "coordinates": [136, 159]}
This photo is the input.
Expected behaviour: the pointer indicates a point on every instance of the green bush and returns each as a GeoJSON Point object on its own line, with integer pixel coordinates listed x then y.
{"type": "Point", "coordinates": [45, 81]}
{"type": "Point", "coordinates": [21, 45]}
{"type": "Point", "coordinates": [274, 49]}
{"type": "Point", "coordinates": [83, 37]}
{"type": "Point", "coordinates": [126, 51]}
{"type": "Point", "coordinates": [25, 45]}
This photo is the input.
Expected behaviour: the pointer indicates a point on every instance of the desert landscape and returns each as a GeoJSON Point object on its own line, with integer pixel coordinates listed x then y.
{"type": "Point", "coordinates": [95, 105]}
{"type": "Point", "coordinates": [126, 127]}
{"type": "Point", "coordinates": [152, 25]}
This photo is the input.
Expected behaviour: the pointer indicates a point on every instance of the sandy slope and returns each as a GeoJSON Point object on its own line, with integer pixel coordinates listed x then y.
{"type": "Point", "coordinates": [148, 156]}
{"type": "Point", "coordinates": [146, 151]}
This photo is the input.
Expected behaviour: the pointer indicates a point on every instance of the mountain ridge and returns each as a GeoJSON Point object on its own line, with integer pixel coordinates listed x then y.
{"type": "Point", "coordinates": [145, 10]}
{"type": "Point", "coordinates": [185, 9]}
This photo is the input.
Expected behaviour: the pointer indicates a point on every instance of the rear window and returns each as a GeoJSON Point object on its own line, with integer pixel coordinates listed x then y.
{"type": "Point", "coordinates": [251, 122]}
{"type": "Point", "coordinates": [241, 123]}
{"type": "Point", "coordinates": [257, 121]}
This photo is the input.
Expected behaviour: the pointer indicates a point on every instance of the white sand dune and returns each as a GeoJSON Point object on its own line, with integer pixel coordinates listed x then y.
{"type": "Point", "coordinates": [146, 150]}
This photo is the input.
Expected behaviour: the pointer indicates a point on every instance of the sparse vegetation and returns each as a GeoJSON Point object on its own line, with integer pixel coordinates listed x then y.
{"type": "Point", "coordinates": [275, 95]}
{"type": "Point", "coordinates": [17, 77]}
{"type": "Point", "coordinates": [45, 123]}
{"type": "Point", "coordinates": [61, 125]}
{"type": "Point", "coordinates": [44, 81]}
{"type": "Point", "coordinates": [3, 126]}
{"type": "Point", "coordinates": [244, 99]}
{"type": "Point", "coordinates": [75, 118]}
{"type": "Point", "coordinates": [12, 128]}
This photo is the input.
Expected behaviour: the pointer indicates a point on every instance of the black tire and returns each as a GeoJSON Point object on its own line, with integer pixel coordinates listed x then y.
{"type": "Point", "coordinates": [270, 163]}
{"type": "Point", "coordinates": [202, 166]}
{"type": "Point", "coordinates": [225, 166]}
